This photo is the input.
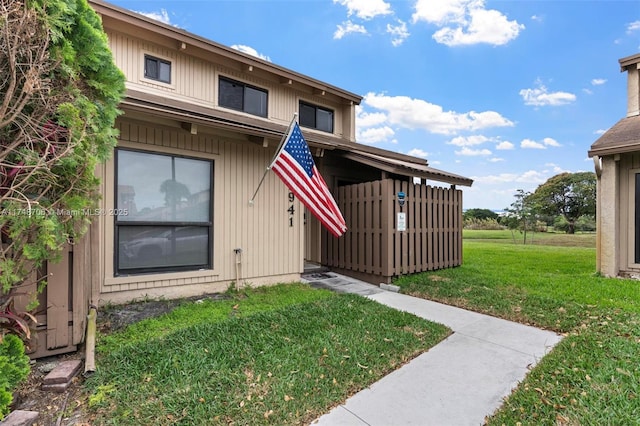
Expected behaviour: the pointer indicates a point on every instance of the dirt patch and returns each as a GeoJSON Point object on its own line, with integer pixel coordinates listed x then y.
{"type": "Point", "coordinates": [70, 407]}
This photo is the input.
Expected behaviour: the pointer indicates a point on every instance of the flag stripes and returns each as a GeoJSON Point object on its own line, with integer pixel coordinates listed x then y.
{"type": "Point", "coordinates": [295, 167]}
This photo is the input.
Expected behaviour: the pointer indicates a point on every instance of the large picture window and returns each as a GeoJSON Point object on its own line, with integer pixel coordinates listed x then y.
{"type": "Point", "coordinates": [242, 97]}
{"type": "Point", "coordinates": [165, 219]}
{"type": "Point", "coordinates": [316, 117]}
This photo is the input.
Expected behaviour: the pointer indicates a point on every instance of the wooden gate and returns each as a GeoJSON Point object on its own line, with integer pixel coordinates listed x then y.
{"type": "Point", "coordinates": [374, 248]}
{"type": "Point", "coordinates": [63, 303]}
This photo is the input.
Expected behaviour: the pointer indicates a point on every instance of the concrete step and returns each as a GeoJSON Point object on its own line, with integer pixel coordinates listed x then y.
{"type": "Point", "coordinates": [20, 418]}
{"type": "Point", "coordinates": [59, 379]}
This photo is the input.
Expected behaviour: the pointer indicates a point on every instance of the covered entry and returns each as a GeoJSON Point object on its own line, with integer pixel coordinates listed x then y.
{"type": "Point", "coordinates": [386, 238]}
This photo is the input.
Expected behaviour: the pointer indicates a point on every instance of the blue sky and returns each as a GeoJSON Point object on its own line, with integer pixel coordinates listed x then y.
{"type": "Point", "coordinates": [508, 93]}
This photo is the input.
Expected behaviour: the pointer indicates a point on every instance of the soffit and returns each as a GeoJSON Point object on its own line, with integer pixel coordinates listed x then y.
{"type": "Point", "coordinates": [405, 168]}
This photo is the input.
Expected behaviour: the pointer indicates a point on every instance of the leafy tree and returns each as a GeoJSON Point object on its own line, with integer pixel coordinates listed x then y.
{"type": "Point", "coordinates": [520, 215]}
{"type": "Point", "coordinates": [570, 195]}
{"type": "Point", "coordinates": [480, 214]}
{"type": "Point", "coordinates": [59, 93]}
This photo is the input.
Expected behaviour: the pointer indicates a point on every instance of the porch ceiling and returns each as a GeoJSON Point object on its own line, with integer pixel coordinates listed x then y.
{"type": "Point", "coordinates": [405, 168]}
{"type": "Point", "coordinates": [623, 137]}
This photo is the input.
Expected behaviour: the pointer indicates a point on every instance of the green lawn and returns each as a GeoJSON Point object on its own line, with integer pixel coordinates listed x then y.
{"type": "Point", "coordinates": [581, 239]}
{"type": "Point", "coordinates": [279, 355]}
{"type": "Point", "coordinates": [593, 375]}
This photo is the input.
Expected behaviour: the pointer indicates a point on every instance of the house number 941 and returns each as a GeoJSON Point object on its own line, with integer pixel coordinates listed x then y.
{"type": "Point", "coordinates": [291, 209]}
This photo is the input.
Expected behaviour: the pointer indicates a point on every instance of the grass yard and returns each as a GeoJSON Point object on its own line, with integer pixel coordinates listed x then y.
{"type": "Point", "coordinates": [593, 376]}
{"type": "Point", "coordinates": [279, 355]}
{"type": "Point", "coordinates": [581, 239]}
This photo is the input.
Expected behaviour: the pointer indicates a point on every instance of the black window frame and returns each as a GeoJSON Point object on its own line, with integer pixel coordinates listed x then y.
{"type": "Point", "coordinates": [244, 107]}
{"type": "Point", "coordinates": [159, 61]}
{"type": "Point", "coordinates": [120, 272]}
{"type": "Point", "coordinates": [313, 122]}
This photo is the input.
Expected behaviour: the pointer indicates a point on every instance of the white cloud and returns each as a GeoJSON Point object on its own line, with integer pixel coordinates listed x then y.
{"type": "Point", "coordinates": [466, 22]}
{"type": "Point", "coordinates": [375, 135]}
{"type": "Point", "coordinates": [550, 142]}
{"type": "Point", "coordinates": [468, 140]}
{"type": "Point", "coordinates": [369, 119]}
{"type": "Point", "coordinates": [473, 152]}
{"type": "Point", "coordinates": [411, 113]}
{"type": "Point", "coordinates": [348, 27]}
{"type": "Point", "coordinates": [504, 146]}
{"type": "Point", "coordinates": [598, 81]}
{"type": "Point", "coordinates": [633, 26]}
{"type": "Point", "coordinates": [540, 96]}
{"type": "Point", "coordinates": [529, 144]}
{"type": "Point", "coordinates": [440, 12]}
{"type": "Point", "coordinates": [366, 9]}
{"type": "Point", "coordinates": [496, 159]}
{"type": "Point", "coordinates": [162, 15]}
{"type": "Point", "coordinates": [537, 18]}
{"type": "Point", "coordinates": [530, 176]}
{"type": "Point", "coordinates": [398, 32]}
{"type": "Point", "coordinates": [600, 131]}
{"type": "Point", "coordinates": [555, 169]}
{"type": "Point", "coordinates": [417, 152]}
{"type": "Point", "coordinates": [250, 51]}
{"type": "Point", "coordinates": [587, 91]}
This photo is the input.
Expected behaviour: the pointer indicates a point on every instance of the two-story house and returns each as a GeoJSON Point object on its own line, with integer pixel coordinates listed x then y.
{"type": "Point", "coordinates": [616, 155]}
{"type": "Point", "coordinates": [201, 123]}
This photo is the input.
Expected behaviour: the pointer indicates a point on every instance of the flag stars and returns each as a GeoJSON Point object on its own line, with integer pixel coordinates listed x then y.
{"type": "Point", "coordinates": [297, 147]}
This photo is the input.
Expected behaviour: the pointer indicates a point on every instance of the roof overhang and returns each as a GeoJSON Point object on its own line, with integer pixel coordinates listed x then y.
{"type": "Point", "coordinates": [123, 19]}
{"type": "Point", "coordinates": [622, 138]}
{"type": "Point", "coordinates": [389, 161]}
{"type": "Point", "coordinates": [406, 168]}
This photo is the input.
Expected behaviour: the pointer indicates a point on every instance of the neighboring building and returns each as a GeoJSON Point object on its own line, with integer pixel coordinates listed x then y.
{"type": "Point", "coordinates": [616, 155]}
{"type": "Point", "coordinates": [201, 123]}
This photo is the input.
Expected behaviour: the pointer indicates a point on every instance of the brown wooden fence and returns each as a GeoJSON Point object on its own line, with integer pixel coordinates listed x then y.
{"type": "Point", "coordinates": [373, 247]}
{"type": "Point", "coordinates": [63, 303]}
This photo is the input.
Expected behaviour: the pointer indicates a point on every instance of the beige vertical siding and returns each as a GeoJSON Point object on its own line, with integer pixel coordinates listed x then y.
{"type": "Point", "coordinates": [272, 250]}
{"type": "Point", "coordinates": [195, 80]}
{"type": "Point", "coordinates": [609, 228]}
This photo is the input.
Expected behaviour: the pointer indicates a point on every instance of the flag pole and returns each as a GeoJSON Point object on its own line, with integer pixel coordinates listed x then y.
{"type": "Point", "coordinates": [284, 137]}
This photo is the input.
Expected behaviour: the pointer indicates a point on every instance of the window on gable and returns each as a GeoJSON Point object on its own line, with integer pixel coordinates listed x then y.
{"type": "Point", "coordinates": [166, 224]}
{"type": "Point", "coordinates": [157, 69]}
{"type": "Point", "coordinates": [242, 97]}
{"type": "Point", "coordinates": [316, 117]}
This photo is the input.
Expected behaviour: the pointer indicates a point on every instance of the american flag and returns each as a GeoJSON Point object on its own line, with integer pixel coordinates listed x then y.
{"type": "Point", "coordinates": [294, 165]}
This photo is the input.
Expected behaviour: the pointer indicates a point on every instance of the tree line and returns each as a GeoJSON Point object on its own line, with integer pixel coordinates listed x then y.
{"type": "Point", "coordinates": [566, 201]}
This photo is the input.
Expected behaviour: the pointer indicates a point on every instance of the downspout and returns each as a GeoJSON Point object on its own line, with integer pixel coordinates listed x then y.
{"type": "Point", "coordinates": [597, 162]}
{"type": "Point", "coordinates": [90, 341]}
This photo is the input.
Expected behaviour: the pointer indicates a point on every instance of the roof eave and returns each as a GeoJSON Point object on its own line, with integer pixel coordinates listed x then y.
{"type": "Point", "coordinates": [141, 21]}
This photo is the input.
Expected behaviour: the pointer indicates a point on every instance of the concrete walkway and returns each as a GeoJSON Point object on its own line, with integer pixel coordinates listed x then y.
{"type": "Point", "coordinates": [458, 382]}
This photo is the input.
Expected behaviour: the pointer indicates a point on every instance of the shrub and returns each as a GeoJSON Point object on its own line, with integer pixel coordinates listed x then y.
{"type": "Point", "coordinates": [14, 368]}
{"type": "Point", "coordinates": [483, 224]}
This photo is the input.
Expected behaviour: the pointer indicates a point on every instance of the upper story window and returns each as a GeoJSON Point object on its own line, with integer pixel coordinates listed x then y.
{"type": "Point", "coordinates": [242, 97]}
{"type": "Point", "coordinates": [316, 117]}
{"type": "Point", "coordinates": [157, 69]}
